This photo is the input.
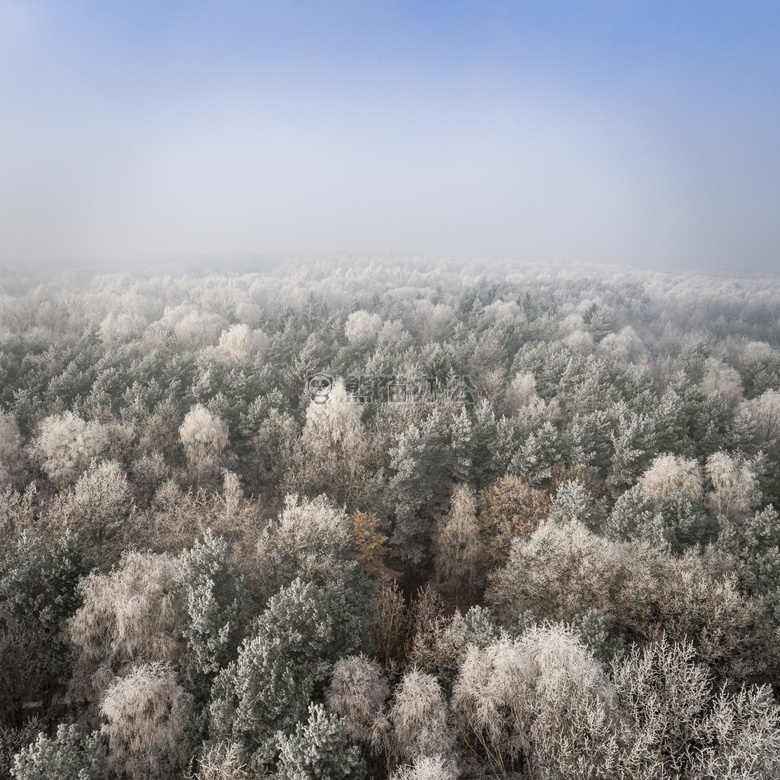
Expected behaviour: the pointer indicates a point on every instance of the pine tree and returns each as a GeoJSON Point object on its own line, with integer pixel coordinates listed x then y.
{"type": "Point", "coordinates": [423, 466]}
{"type": "Point", "coordinates": [68, 756]}
{"type": "Point", "coordinates": [282, 666]}
{"type": "Point", "coordinates": [319, 750]}
{"type": "Point", "coordinates": [212, 594]}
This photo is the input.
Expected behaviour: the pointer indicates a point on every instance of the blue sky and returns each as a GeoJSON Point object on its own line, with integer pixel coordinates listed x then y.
{"type": "Point", "coordinates": [636, 131]}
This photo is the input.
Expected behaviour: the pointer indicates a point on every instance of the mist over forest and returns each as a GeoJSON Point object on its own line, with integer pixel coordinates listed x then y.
{"type": "Point", "coordinates": [388, 518]}
{"type": "Point", "coordinates": [389, 390]}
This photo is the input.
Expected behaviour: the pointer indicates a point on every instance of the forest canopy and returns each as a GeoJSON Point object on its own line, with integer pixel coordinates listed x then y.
{"type": "Point", "coordinates": [397, 520]}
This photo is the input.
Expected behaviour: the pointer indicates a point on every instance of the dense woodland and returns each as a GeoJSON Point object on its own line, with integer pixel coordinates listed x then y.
{"type": "Point", "coordinates": [560, 561]}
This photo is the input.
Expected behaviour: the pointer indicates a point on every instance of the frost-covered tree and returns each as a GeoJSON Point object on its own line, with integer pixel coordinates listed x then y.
{"type": "Point", "coordinates": [560, 571]}
{"type": "Point", "coordinates": [423, 466]}
{"type": "Point", "coordinates": [540, 702]}
{"type": "Point", "coordinates": [356, 693]}
{"type": "Point", "coordinates": [130, 615]}
{"type": "Point", "coordinates": [572, 502]}
{"type": "Point", "coordinates": [507, 509]}
{"type": "Point", "coordinates": [203, 434]}
{"type": "Point", "coordinates": [371, 548]}
{"type": "Point", "coordinates": [674, 522]}
{"type": "Point", "coordinates": [633, 447]}
{"type": "Point", "coordinates": [221, 762]}
{"type": "Point", "coordinates": [144, 723]}
{"type": "Point", "coordinates": [362, 327]}
{"type": "Point", "coordinates": [542, 449]}
{"type": "Point", "coordinates": [121, 326]}
{"type": "Point", "coordinates": [672, 474]}
{"type": "Point", "coordinates": [522, 399]}
{"type": "Point", "coordinates": [335, 420]}
{"type": "Point", "coordinates": [272, 449]}
{"type": "Point", "coordinates": [427, 768]}
{"type": "Point", "coordinates": [672, 729]}
{"type": "Point", "coordinates": [196, 329]}
{"type": "Point", "coordinates": [436, 638]}
{"type": "Point", "coordinates": [735, 484]}
{"type": "Point", "coordinates": [240, 343]}
{"type": "Point", "coordinates": [319, 750]}
{"type": "Point", "coordinates": [282, 666]}
{"type": "Point", "coordinates": [755, 542]}
{"type": "Point", "coordinates": [313, 540]}
{"type": "Point", "coordinates": [722, 379]}
{"type": "Point", "coordinates": [740, 737]}
{"type": "Point", "coordinates": [625, 345]}
{"type": "Point", "coordinates": [11, 453]}
{"type": "Point", "coordinates": [390, 621]}
{"type": "Point", "coordinates": [17, 513]}
{"type": "Point", "coordinates": [590, 441]}
{"type": "Point", "coordinates": [765, 409]}
{"type": "Point", "coordinates": [67, 756]}
{"type": "Point", "coordinates": [432, 320]}
{"type": "Point", "coordinates": [66, 444]}
{"type": "Point", "coordinates": [334, 448]}
{"type": "Point", "coordinates": [580, 342]}
{"type": "Point", "coordinates": [38, 592]}
{"type": "Point", "coordinates": [456, 543]}
{"type": "Point", "coordinates": [211, 592]}
{"type": "Point", "coordinates": [416, 722]}
{"type": "Point", "coordinates": [98, 504]}
{"type": "Point", "coordinates": [204, 437]}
